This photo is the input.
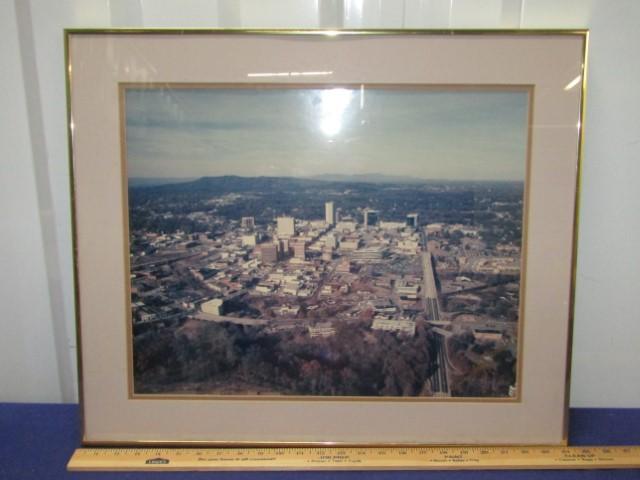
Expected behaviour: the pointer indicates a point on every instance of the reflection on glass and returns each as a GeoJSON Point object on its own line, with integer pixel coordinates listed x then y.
{"type": "Point", "coordinates": [573, 83]}
{"type": "Point", "coordinates": [289, 74]}
{"type": "Point", "coordinates": [334, 103]}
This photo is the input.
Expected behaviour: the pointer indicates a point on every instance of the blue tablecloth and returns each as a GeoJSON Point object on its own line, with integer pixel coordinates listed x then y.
{"type": "Point", "coordinates": [37, 440]}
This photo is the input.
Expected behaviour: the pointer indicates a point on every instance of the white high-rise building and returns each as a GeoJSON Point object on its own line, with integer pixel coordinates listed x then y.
{"type": "Point", "coordinates": [330, 213]}
{"type": "Point", "coordinates": [286, 227]}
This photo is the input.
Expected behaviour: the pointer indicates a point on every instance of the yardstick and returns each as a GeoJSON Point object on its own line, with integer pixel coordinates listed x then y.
{"type": "Point", "coordinates": [355, 458]}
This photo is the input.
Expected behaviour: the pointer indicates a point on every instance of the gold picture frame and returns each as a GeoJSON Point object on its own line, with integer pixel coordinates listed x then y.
{"type": "Point", "coordinates": [113, 78]}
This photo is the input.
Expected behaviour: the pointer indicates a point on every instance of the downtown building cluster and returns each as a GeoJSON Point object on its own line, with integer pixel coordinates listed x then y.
{"type": "Point", "coordinates": [293, 272]}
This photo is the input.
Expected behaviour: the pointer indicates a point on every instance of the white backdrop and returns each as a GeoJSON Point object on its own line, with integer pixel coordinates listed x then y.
{"type": "Point", "coordinates": [37, 339]}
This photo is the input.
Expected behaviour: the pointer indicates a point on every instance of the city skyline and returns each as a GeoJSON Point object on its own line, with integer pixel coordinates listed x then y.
{"type": "Point", "coordinates": [308, 132]}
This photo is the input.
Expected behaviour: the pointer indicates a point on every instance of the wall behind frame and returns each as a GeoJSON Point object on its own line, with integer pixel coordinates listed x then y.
{"type": "Point", "coordinates": [37, 320]}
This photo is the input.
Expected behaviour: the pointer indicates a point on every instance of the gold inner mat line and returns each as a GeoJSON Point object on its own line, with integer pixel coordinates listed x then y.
{"type": "Point", "coordinates": [257, 85]}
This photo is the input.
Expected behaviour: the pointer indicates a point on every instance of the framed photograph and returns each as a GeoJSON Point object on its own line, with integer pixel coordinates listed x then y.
{"type": "Point", "coordinates": [320, 237]}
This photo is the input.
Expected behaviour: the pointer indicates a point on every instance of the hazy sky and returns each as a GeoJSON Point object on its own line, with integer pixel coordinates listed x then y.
{"type": "Point", "coordinates": [458, 135]}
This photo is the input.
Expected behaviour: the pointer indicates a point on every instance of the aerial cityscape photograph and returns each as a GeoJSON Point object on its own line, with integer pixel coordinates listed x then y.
{"type": "Point", "coordinates": [331, 241]}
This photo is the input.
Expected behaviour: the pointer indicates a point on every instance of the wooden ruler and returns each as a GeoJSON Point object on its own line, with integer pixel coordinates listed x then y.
{"type": "Point", "coordinates": [354, 458]}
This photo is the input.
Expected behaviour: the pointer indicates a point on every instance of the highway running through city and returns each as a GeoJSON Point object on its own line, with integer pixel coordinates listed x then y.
{"type": "Point", "coordinates": [439, 380]}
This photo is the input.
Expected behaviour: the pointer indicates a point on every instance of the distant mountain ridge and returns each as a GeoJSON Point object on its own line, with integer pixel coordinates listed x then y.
{"type": "Point", "coordinates": [237, 184]}
{"type": "Point", "coordinates": [367, 178]}
{"type": "Point", "coordinates": [155, 181]}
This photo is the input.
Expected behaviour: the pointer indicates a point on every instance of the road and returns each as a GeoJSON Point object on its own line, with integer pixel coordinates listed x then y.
{"type": "Point", "coordinates": [439, 380]}
{"type": "Point", "coordinates": [161, 260]}
{"type": "Point", "coordinates": [237, 320]}
{"type": "Point", "coordinates": [493, 284]}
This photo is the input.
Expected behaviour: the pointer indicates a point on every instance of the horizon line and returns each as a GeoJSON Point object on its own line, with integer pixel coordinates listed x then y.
{"type": "Point", "coordinates": [413, 179]}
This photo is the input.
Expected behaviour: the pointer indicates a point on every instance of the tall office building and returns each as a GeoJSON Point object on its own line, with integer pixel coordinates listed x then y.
{"type": "Point", "coordinates": [284, 249]}
{"type": "Point", "coordinates": [300, 250]}
{"type": "Point", "coordinates": [412, 220]}
{"type": "Point", "coordinates": [248, 223]}
{"type": "Point", "coordinates": [371, 217]}
{"type": "Point", "coordinates": [269, 253]}
{"type": "Point", "coordinates": [330, 213]}
{"type": "Point", "coordinates": [286, 227]}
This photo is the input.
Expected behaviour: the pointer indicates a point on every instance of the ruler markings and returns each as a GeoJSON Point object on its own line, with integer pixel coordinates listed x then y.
{"type": "Point", "coordinates": [334, 458]}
